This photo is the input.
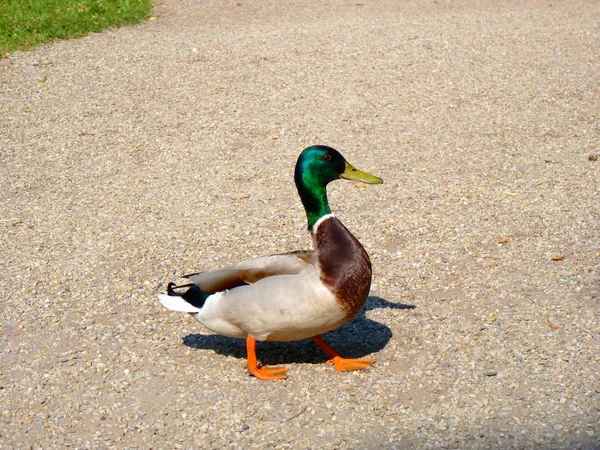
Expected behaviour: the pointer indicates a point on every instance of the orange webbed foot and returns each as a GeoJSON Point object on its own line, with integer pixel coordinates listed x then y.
{"type": "Point", "coordinates": [269, 373]}
{"type": "Point", "coordinates": [348, 365]}
{"type": "Point", "coordinates": [262, 372]}
{"type": "Point", "coordinates": [341, 364]}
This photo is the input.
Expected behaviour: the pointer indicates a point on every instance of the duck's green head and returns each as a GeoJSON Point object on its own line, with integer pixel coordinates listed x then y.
{"type": "Point", "coordinates": [316, 167]}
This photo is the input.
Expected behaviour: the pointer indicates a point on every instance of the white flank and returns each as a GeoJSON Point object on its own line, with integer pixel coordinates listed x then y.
{"type": "Point", "coordinates": [320, 221]}
{"type": "Point", "coordinates": [176, 304]}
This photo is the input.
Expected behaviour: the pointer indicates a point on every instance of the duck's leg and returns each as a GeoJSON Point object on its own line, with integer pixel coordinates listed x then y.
{"type": "Point", "coordinates": [264, 372]}
{"type": "Point", "coordinates": [341, 364]}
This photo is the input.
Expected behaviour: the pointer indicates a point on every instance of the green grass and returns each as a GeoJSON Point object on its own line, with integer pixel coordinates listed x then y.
{"type": "Point", "coordinates": [27, 23]}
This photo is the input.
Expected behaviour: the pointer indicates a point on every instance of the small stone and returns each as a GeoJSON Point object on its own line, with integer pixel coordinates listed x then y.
{"type": "Point", "coordinates": [490, 373]}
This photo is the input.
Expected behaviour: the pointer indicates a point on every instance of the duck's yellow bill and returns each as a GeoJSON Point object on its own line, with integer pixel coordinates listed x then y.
{"type": "Point", "coordinates": [352, 173]}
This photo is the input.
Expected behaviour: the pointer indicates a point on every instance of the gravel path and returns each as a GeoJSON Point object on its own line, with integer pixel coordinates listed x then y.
{"type": "Point", "coordinates": [130, 157]}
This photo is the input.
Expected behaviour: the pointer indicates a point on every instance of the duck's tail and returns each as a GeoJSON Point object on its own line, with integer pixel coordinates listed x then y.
{"type": "Point", "coordinates": [190, 301]}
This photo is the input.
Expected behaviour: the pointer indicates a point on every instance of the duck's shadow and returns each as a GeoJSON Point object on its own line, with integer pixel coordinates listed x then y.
{"type": "Point", "coordinates": [356, 339]}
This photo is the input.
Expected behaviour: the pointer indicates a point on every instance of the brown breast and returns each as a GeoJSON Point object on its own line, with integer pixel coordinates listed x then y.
{"type": "Point", "coordinates": [344, 263]}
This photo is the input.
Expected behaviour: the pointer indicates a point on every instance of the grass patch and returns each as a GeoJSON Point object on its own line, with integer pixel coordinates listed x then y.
{"type": "Point", "coordinates": [27, 23]}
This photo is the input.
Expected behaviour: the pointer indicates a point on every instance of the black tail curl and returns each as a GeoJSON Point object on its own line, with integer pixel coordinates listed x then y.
{"type": "Point", "coordinates": [194, 295]}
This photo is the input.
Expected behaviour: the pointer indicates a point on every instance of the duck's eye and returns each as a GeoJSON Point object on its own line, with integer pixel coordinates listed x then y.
{"type": "Point", "coordinates": [326, 157]}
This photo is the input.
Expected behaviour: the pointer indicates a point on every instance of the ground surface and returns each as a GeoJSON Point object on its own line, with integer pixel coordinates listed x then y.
{"type": "Point", "coordinates": [136, 155]}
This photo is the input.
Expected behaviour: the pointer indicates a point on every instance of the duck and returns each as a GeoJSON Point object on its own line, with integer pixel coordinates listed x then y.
{"type": "Point", "coordinates": [290, 296]}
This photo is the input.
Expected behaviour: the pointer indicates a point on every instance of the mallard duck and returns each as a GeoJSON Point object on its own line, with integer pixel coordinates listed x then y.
{"type": "Point", "coordinates": [291, 296]}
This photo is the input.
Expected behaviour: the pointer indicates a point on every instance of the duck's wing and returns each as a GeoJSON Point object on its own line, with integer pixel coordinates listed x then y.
{"type": "Point", "coordinates": [252, 270]}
